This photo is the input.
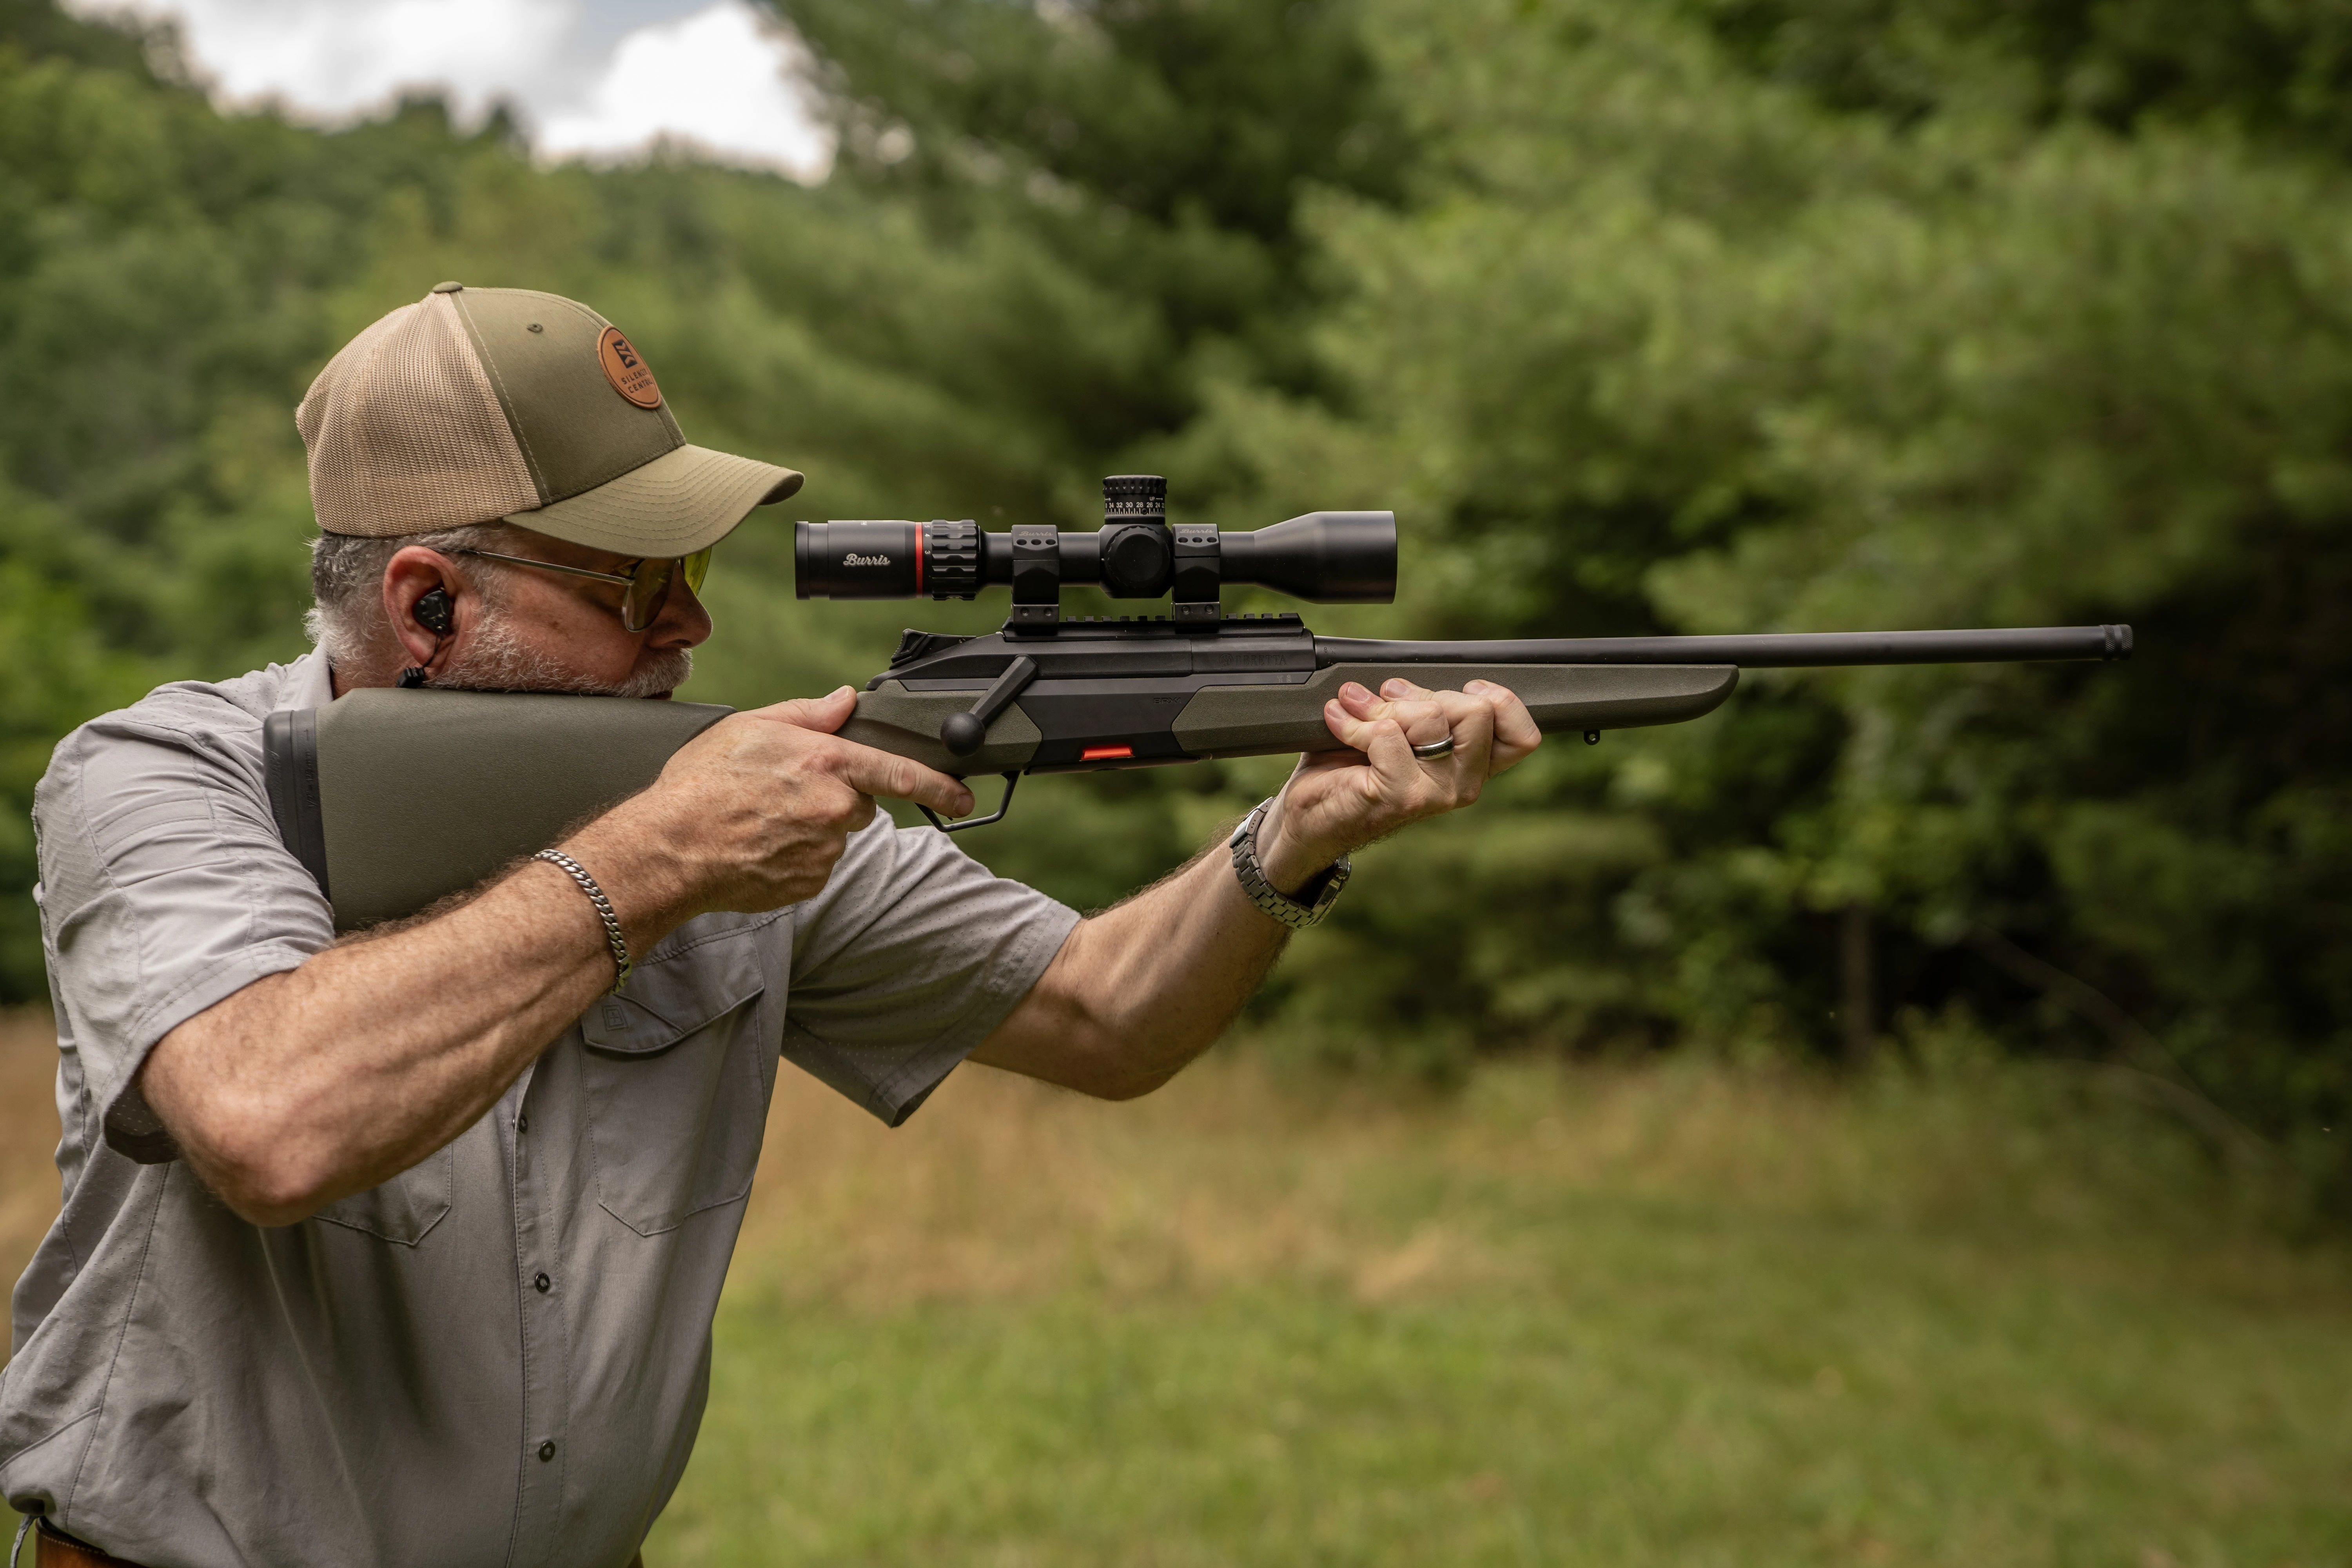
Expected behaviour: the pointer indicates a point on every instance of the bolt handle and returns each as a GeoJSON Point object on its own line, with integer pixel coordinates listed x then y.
{"type": "Point", "coordinates": [961, 733]}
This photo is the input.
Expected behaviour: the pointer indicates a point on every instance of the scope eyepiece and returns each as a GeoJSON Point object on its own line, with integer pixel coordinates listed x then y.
{"type": "Point", "coordinates": [1329, 557]}
{"type": "Point", "coordinates": [858, 560]}
{"type": "Point", "coordinates": [887, 560]}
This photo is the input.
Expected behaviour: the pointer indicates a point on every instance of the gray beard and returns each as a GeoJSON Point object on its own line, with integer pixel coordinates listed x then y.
{"type": "Point", "coordinates": [495, 659]}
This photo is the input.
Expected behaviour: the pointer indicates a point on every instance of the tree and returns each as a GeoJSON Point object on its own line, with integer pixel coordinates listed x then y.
{"type": "Point", "coordinates": [1694, 348]}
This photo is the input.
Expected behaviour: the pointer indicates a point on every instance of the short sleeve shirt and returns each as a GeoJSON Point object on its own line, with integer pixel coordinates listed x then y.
{"type": "Point", "coordinates": [501, 1354]}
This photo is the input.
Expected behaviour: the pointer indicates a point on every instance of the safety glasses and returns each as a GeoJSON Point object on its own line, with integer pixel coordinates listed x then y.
{"type": "Point", "coordinates": [647, 583]}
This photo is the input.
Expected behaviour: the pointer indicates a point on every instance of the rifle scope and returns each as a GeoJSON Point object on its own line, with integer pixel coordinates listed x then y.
{"type": "Point", "coordinates": [1331, 557]}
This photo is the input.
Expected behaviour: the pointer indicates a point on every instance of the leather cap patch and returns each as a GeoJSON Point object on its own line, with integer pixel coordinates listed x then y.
{"type": "Point", "coordinates": [625, 370]}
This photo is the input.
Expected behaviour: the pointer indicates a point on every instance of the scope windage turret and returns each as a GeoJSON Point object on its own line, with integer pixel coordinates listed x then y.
{"type": "Point", "coordinates": [1331, 557]}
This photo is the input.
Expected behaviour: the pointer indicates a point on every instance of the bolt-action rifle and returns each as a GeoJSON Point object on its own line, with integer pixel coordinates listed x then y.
{"type": "Point", "coordinates": [510, 773]}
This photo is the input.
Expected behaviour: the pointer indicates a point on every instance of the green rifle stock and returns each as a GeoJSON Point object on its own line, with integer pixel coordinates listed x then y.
{"type": "Point", "coordinates": [396, 799]}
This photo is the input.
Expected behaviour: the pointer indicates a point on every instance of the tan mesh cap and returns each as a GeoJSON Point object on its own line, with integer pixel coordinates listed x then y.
{"type": "Point", "coordinates": [478, 405]}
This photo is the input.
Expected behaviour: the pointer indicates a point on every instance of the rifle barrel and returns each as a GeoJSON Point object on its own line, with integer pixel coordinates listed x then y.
{"type": "Point", "coordinates": [1766, 650]}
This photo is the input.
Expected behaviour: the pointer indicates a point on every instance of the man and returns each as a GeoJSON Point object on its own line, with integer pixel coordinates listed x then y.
{"type": "Point", "coordinates": [405, 1249]}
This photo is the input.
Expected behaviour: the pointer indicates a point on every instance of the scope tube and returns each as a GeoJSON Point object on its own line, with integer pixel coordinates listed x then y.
{"type": "Point", "coordinates": [1765, 650]}
{"type": "Point", "coordinates": [1325, 557]}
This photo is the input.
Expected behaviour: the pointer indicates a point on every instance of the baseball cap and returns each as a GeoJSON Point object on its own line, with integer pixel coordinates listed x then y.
{"type": "Point", "coordinates": [481, 404]}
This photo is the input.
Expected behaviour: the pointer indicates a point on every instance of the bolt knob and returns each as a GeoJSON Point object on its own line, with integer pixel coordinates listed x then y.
{"type": "Point", "coordinates": [961, 733]}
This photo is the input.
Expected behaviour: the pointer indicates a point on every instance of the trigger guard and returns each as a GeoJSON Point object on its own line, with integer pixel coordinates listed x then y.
{"type": "Point", "coordinates": [1002, 807]}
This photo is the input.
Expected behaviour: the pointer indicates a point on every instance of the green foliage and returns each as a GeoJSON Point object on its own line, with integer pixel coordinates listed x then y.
{"type": "Point", "coordinates": [54, 671]}
{"type": "Point", "coordinates": [1729, 314]}
{"type": "Point", "coordinates": [2277, 67]}
{"type": "Point", "coordinates": [1690, 348]}
{"type": "Point", "coordinates": [1159, 148]}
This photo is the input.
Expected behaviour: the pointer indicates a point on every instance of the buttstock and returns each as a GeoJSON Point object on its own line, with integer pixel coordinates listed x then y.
{"type": "Point", "coordinates": [396, 799]}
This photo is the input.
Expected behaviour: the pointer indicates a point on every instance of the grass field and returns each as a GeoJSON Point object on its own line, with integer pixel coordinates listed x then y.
{"type": "Point", "coordinates": [1679, 1315]}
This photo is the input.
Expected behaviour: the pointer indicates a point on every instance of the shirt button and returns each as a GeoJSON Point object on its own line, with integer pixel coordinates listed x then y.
{"type": "Point", "coordinates": [544, 1284]}
{"type": "Point", "coordinates": [547, 1450]}
{"type": "Point", "coordinates": [522, 1124]}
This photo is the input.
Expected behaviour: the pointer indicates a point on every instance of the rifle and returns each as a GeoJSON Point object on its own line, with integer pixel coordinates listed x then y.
{"type": "Point", "coordinates": [511, 773]}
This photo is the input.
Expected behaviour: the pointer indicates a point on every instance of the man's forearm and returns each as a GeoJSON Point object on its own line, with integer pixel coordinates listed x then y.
{"type": "Point", "coordinates": [1141, 989]}
{"type": "Point", "coordinates": [329, 1079]}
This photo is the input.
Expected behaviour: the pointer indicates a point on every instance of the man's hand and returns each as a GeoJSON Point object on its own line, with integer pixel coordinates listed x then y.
{"type": "Point", "coordinates": [1339, 800]}
{"type": "Point", "coordinates": [752, 814]}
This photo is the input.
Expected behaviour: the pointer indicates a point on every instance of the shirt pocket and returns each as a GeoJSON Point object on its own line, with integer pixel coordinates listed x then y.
{"type": "Point", "coordinates": [404, 1208]}
{"type": "Point", "coordinates": [678, 1070]}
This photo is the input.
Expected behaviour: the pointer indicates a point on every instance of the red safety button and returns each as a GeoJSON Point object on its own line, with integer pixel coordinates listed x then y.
{"type": "Point", "coordinates": [1105, 753]}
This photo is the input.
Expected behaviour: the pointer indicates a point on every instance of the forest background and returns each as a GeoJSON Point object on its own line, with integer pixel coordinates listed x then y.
{"type": "Point", "coordinates": [1643, 315]}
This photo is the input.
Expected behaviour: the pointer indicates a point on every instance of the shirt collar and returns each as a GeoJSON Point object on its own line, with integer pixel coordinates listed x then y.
{"type": "Point", "coordinates": [309, 683]}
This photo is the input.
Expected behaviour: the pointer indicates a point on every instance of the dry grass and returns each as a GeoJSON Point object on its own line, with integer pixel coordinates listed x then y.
{"type": "Point", "coordinates": [1004, 1187]}
{"type": "Point", "coordinates": [28, 1136]}
{"type": "Point", "coordinates": [1239, 1174]}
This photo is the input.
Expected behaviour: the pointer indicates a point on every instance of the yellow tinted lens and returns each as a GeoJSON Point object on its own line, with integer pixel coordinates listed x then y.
{"type": "Point", "coordinates": [648, 587]}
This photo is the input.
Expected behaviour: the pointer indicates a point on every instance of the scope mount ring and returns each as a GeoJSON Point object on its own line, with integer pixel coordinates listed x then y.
{"type": "Point", "coordinates": [1002, 807]}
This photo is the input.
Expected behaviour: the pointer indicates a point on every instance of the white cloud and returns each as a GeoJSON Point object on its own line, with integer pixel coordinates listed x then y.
{"type": "Point", "coordinates": [718, 79]}
{"type": "Point", "coordinates": [722, 78]}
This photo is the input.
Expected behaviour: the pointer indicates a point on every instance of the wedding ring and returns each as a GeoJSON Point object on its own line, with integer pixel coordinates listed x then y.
{"type": "Point", "coordinates": [1434, 750]}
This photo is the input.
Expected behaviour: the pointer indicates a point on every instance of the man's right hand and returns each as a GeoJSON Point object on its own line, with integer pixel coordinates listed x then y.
{"type": "Point", "coordinates": [750, 815]}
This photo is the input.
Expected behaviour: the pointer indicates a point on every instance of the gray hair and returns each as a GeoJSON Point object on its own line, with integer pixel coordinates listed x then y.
{"type": "Point", "coordinates": [346, 618]}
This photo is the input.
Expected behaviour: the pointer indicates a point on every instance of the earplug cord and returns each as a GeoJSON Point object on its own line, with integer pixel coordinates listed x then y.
{"type": "Point", "coordinates": [433, 613]}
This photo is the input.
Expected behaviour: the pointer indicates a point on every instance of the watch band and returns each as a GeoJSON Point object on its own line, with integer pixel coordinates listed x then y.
{"type": "Point", "coordinates": [1296, 913]}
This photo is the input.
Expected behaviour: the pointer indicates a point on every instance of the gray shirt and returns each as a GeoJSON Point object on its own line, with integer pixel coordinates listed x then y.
{"type": "Point", "coordinates": [500, 1355]}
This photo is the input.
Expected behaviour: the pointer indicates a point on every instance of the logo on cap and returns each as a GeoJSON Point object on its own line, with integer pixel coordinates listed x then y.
{"type": "Point", "coordinates": [625, 370]}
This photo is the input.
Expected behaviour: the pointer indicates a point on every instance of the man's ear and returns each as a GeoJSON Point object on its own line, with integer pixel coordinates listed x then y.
{"type": "Point", "coordinates": [421, 588]}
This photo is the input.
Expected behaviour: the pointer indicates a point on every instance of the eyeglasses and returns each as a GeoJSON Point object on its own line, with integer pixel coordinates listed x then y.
{"type": "Point", "coordinates": [647, 582]}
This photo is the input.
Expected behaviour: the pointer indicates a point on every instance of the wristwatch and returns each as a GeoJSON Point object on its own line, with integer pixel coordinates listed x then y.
{"type": "Point", "coordinates": [1298, 913]}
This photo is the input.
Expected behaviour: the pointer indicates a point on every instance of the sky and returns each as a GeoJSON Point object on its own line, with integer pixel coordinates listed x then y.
{"type": "Point", "coordinates": [595, 78]}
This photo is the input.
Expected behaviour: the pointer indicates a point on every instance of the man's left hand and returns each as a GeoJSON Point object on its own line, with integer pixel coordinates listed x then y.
{"type": "Point", "coordinates": [1339, 800]}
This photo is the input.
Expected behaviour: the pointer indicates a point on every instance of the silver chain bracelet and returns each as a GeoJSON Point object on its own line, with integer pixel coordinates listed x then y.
{"type": "Point", "coordinates": [622, 961]}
